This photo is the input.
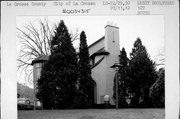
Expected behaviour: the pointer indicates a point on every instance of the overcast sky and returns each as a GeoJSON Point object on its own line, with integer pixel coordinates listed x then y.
{"type": "Point", "coordinates": [150, 29]}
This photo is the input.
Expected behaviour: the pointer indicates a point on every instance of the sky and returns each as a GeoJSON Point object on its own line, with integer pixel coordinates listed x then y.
{"type": "Point", "coordinates": [150, 29]}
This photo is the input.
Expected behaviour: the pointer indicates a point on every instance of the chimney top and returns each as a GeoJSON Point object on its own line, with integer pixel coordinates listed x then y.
{"type": "Point", "coordinates": [111, 24]}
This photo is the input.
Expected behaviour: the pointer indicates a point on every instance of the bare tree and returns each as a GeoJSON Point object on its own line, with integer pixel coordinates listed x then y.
{"type": "Point", "coordinates": [75, 35]}
{"type": "Point", "coordinates": [34, 41]}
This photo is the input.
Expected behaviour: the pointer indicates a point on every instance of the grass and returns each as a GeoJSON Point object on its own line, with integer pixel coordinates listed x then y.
{"type": "Point", "coordinates": [93, 114]}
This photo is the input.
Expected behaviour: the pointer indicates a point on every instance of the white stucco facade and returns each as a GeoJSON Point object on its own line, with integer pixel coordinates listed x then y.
{"type": "Point", "coordinates": [104, 53]}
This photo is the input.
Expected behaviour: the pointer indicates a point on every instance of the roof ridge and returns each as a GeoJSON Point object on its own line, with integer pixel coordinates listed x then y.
{"type": "Point", "coordinates": [96, 41]}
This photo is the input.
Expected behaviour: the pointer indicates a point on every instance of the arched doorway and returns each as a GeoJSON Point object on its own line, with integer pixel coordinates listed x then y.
{"type": "Point", "coordinates": [94, 92]}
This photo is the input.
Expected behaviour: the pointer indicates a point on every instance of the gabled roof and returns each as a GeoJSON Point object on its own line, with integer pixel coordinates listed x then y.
{"type": "Point", "coordinates": [40, 59]}
{"type": "Point", "coordinates": [101, 51]}
{"type": "Point", "coordinates": [102, 38]}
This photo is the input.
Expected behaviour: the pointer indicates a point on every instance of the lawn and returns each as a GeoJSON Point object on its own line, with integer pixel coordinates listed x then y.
{"type": "Point", "coordinates": [93, 114]}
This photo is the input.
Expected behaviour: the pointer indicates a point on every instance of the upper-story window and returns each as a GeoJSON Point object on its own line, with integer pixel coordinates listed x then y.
{"type": "Point", "coordinates": [92, 62]}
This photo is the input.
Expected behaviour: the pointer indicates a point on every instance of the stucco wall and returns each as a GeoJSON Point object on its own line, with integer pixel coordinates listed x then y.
{"type": "Point", "coordinates": [98, 75]}
{"type": "Point", "coordinates": [37, 67]}
{"type": "Point", "coordinates": [112, 46]}
{"type": "Point", "coordinates": [102, 73]}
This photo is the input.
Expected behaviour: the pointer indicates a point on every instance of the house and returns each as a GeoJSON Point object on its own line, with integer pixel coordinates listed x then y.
{"type": "Point", "coordinates": [103, 54]}
{"type": "Point", "coordinates": [37, 67]}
